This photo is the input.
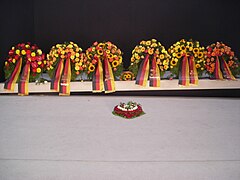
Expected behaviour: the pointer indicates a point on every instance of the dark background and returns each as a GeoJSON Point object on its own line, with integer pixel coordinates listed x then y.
{"type": "Point", "coordinates": [124, 22]}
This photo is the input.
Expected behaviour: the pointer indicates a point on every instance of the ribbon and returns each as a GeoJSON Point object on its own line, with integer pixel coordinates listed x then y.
{"type": "Point", "coordinates": [109, 83]}
{"type": "Point", "coordinates": [11, 81]}
{"type": "Point", "coordinates": [154, 80]}
{"type": "Point", "coordinates": [143, 72]}
{"type": "Point", "coordinates": [193, 75]}
{"type": "Point", "coordinates": [65, 79]}
{"type": "Point", "coordinates": [57, 76]}
{"type": "Point", "coordinates": [24, 79]}
{"type": "Point", "coordinates": [226, 70]}
{"type": "Point", "coordinates": [184, 72]}
{"type": "Point", "coordinates": [217, 71]}
{"type": "Point", "coordinates": [97, 82]}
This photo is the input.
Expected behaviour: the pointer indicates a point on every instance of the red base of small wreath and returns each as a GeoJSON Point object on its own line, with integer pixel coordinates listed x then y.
{"type": "Point", "coordinates": [128, 114]}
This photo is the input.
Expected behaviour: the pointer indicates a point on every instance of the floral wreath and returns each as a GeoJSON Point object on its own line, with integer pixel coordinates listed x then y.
{"type": "Point", "coordinates": [99, 51]}
{"type": "Point", "coordinates": [63, 51]}
{"type": "Point", "coordinates": [220, 50]}
{"type": "Point", "coordinates": [128, 110]}
{"type": "Point", "coordinates": [27, 54]}
{"type": "Point", "coordinates": [150, 48]}
{"type": "Point", "coordinates": [189, 48]}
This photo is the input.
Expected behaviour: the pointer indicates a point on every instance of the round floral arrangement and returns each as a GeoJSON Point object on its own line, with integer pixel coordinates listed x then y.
{"type": "Point", "coordinates": [64, 51]}
{"type": "Point", "coordinates": [191, 49]}
{"type": "Point", "coordinates": [151, 48]}
{"type": "Point", "coordinates": [102, 51]}
{"type": "Point", "coordinates": [25, 53]}
{"type": "Point", "coordinates": [127, 76]}
{"type": "Point", "coordinates": [128, 110]}
{"type": "Point", "coordinates": [223, 52]}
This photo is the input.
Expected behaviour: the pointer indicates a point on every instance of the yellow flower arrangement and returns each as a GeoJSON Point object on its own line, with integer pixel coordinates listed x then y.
{"type": "Point", "coordinates": [127, 76]}
{"type": "Point", "coordinates": [189, 48]}
{"type": "Point", "coordinates": [152, 48]}
{"type": "Point", "coordinates": [101, 51]}
{"type": "Point", "coordinates": [64, 51]}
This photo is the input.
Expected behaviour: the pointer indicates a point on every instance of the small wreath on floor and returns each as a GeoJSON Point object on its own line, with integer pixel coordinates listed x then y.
{"type": "Point", "coordinates": [128, 110]}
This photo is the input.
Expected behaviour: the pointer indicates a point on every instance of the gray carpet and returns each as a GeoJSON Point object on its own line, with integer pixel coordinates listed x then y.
{"type": "Point", "coordinates": [77, 137]}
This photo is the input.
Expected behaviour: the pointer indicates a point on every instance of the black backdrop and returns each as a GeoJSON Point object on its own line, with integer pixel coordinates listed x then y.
{"type": "Point", "coordinates": [124, 22]}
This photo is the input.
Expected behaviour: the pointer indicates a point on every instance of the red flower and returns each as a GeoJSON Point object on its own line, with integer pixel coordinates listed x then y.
{"type": "Point", "coordinates": [34, 47]}
{"type": "Point", "coordinates": [28, 52]}
{"type": "Point", "coordinates": [34, 64]}
{"type": "Point", "coordinates": [16, 57]}
{"type": "Point", "coordinates": [11, 52]}
{"type": "Point", "coordinates": [209, 49]}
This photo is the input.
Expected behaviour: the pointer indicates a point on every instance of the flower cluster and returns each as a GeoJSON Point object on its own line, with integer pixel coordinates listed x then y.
{"type": "Point", "coordinates": [189, 48]}
{"type": "Point", "coordinates": [127, 76]}
{"type": "Point", "coordinates": [64, 51]}
{"type": "Point", "coordinates": [151, 48]}
{"type": "Point", "coordinates": [101, 51]}
{"type": "Point", "coordinates": [128, 110]}
{"type": "Point", "coordinates": [221, 50]}
{"type": "Point", "coordinates": [29, 54]}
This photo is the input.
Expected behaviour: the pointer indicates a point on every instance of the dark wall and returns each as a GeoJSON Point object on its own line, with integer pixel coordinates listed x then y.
{"type": "Point", "coordinates": [124, 22]}
{"type": "Point", "coordinates": [17, 25]}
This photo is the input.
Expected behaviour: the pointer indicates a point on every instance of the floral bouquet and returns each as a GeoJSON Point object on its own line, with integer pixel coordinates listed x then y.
{"type": "Point", "coordinates": [187, 61]}
{"type": "Point", "coordinates": [127, 76]}
{"type": "Point", "coordinates": [220, 62]}
{"type": "Point", "coordinates": [65, 62]}
{"type": "Point", "coordinates": [128, 110]}
{"type": "Point", "coordinates": [27, 59]}
{"type": "Point", "coordinates": [149, 56]}
{"type": "Point", "coordinates": [104, 64]}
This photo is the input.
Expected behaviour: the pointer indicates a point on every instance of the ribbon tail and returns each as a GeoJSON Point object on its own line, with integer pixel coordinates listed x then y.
{"type": "Point", "coordinates": [143, 72]}
{"type": "Point", "coordinates": [11, 81]}
{"type": "Point", "coordinates": [154, 79]}
{"type": "Point", "coordinates": [57, 76]}
{"type": "Point", "coordinates": [24, 79]}
{"type": "Point", "coordinates": [97, 82]}
{"type": "Point", "coordinates": [217, 71]}
{"type": "Point", "coordinates": [109, 83]}
{"type": "Point", "coordinates": [184, 72]}
{"type": "Point", "coordinates": [193, 71]}
{"type": "Point", "coordinates": [65, 79]}
{"type": "Point", "coordinates": [226, 70]}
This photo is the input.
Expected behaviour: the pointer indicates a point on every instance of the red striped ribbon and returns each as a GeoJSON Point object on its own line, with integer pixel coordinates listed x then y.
{"type": "Point", "coordinates": [109, 83]}
{"type": "Point", "coordinates": [57, 76]}
{"type": "Point", "coordinates": [217, 71]}
{"type": "Point", "coordinates": [65, 79]}
{"type": "Point", "coordinates": [97, 82]}
{"type": "Point", "coordinates": [154, 80]}
{"type": "Point", "coordinates": [11, 81]}
{"type": "Point", "coordinates": [193, 75]}
{"type": "Point", "coordinates": [184, 72]}
{"type": "Point", "coordinates": [143, 72]}
{"type": "Point", "coordinates": [24, 79]}
{"type": "Point", "coordinates": [226, 70]}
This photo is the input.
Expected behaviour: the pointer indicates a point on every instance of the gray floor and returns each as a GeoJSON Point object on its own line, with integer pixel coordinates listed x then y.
{"type": "Point", "coordinates": [77, 137]}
